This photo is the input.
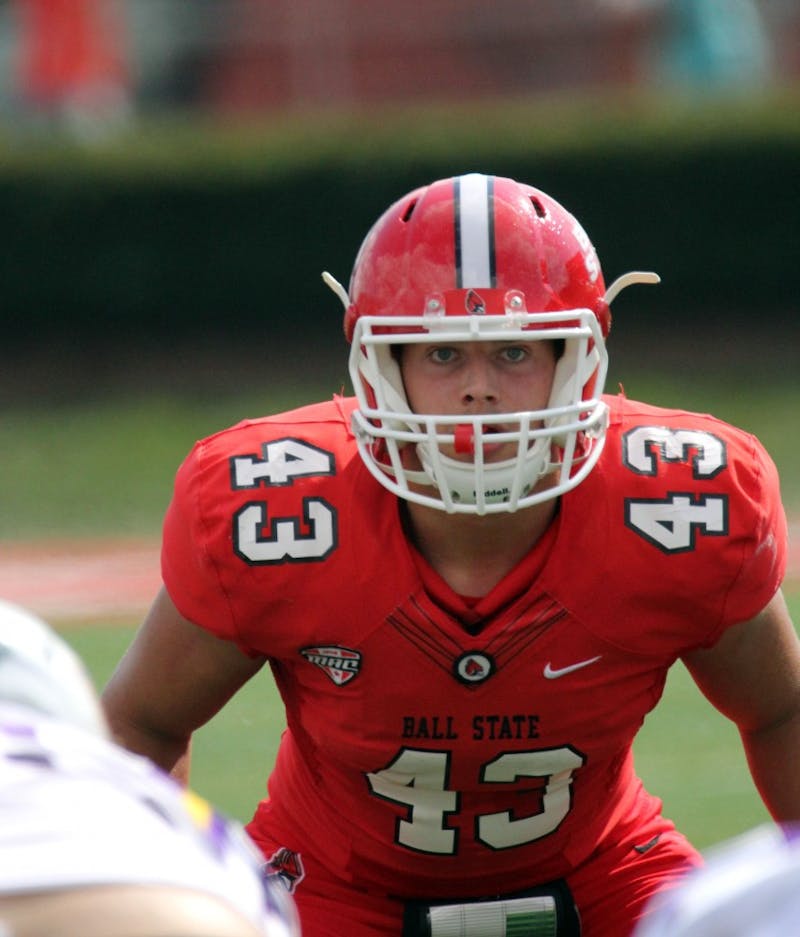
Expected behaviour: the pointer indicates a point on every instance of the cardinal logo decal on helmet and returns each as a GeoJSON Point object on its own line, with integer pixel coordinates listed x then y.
{"type": "Point", "coordinates": [475, 304]}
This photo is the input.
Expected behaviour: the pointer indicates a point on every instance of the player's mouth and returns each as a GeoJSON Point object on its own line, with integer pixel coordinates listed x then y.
{"type": "Point", "coordinates": [464, 445]}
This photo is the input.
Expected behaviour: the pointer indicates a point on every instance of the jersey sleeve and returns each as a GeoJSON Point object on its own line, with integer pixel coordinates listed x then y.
{"type": "Point", "coordinates": [764, 551]}
{"type": "Point", "coordinates": [190, 574]}
{"type": "Point", "coordinates": [252, 512]}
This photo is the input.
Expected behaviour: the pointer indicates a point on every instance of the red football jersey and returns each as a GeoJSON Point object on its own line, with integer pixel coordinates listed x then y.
{"type": "Point", "coordinates": [441, 748]}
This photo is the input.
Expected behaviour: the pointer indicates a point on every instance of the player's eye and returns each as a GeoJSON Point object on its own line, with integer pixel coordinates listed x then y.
{"type": "Point", "coordinates": [515, 353]}
{"type": "Point", "coordinates": [442, 354]}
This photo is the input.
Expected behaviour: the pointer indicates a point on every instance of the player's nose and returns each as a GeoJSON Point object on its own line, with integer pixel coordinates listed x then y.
{"type": "Point", "coordinates": [479, 380]}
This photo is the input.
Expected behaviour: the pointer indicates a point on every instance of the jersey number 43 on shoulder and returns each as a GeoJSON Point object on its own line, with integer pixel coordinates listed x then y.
{"type": "Point", "coordinates": [673, 522]}
{"type": "Point", "coordinates": [259, 539]}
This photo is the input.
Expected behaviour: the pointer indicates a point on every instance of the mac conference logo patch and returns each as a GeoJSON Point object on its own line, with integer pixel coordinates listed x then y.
{"type": "Point", "coordinates": [341, 664]}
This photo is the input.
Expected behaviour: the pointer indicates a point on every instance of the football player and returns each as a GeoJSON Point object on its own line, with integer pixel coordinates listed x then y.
{"type": "Point", "coordinates": [97, 842]}
{"type": "Point", "coordinates": [470, 581]}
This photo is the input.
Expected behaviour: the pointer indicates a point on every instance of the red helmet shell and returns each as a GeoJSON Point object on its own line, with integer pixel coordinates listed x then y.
{"type": "Point", "coordinates": [471, 240]}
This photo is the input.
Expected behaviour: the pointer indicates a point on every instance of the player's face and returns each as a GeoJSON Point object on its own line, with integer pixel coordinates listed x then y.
{"type": "Point", "coordinates": [478, 378]}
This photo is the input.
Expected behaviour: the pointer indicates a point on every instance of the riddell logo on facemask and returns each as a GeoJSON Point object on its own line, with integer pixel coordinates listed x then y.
{"type": "Point", "coordinates": [502, 493]}
{"type": "Point", "coordinates": [491, 494]}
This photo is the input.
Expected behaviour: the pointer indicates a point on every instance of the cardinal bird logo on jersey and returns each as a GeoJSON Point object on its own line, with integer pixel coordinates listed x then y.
{"type": "Point", "coordinates": [474, 667]}
{"type": "Point", "coordinates": [341, 664]}
{"type": "Point", "coordinates": [288, 867]}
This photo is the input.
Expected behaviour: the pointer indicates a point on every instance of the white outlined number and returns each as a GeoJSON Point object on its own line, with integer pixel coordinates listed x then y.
{"type": "Point", "coordinates": [640, 446]}
{"type": "Point", "coordinates": [284, 543]}
{"type": "Point", "coordinates": [418, 779]}
{"type": "Point", "coordinates": [281, 462]}
{"type": "Point", "coordinates": [259, 539]}
{"type": "Point", "coordinates": [672, 523]}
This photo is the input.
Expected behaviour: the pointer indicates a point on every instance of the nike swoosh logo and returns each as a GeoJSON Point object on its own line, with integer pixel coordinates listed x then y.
{"type": "Point", "coordinates": [553, 674]}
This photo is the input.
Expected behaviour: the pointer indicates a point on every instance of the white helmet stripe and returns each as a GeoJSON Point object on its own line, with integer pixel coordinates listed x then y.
{"type": "Point", "coordinates": [474, 224]}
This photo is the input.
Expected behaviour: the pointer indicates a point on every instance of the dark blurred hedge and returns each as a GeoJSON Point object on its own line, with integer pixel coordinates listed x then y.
{"type": "Point", "coordinates": [171, 234]}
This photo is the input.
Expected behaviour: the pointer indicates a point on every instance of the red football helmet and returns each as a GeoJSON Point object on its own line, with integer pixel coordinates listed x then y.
{"type": "Point", "coordinates": [478, 258]}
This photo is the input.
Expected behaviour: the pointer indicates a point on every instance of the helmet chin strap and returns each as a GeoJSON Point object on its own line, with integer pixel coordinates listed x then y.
{"type": "Point", "coordinates": [458, 481]}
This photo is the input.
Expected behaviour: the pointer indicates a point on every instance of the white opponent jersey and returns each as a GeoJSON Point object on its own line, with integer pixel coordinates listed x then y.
{"type": "Point", "coordinates": [749, 887]}
{"type": "Point", "coordinates": [77, 810]}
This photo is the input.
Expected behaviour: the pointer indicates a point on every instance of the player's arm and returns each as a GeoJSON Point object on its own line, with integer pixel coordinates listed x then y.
{"type": "Point", "coordinates": [174, 677]}
{"type": "Point", "coordinates": [752, 675]}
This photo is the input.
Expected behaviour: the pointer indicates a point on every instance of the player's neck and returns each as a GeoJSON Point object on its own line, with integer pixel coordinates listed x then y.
{"type": "Point", "coordinates": [472, 554]}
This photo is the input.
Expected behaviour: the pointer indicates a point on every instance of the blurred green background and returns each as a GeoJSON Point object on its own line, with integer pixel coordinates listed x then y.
{"type": "Point", "coordinates": [170, 202]}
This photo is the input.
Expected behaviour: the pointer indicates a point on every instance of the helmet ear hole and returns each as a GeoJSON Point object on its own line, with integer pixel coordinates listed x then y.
{"type": "Point", "coordinates": [406, 216]}
{"type": "Point", "coordinates": [538, 207]}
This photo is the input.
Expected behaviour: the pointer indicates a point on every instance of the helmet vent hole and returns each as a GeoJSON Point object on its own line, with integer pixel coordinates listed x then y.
{"type": "Point", "coordinates": [409, 210]}
{"type": "Point", "coordinates": [540, 210]}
